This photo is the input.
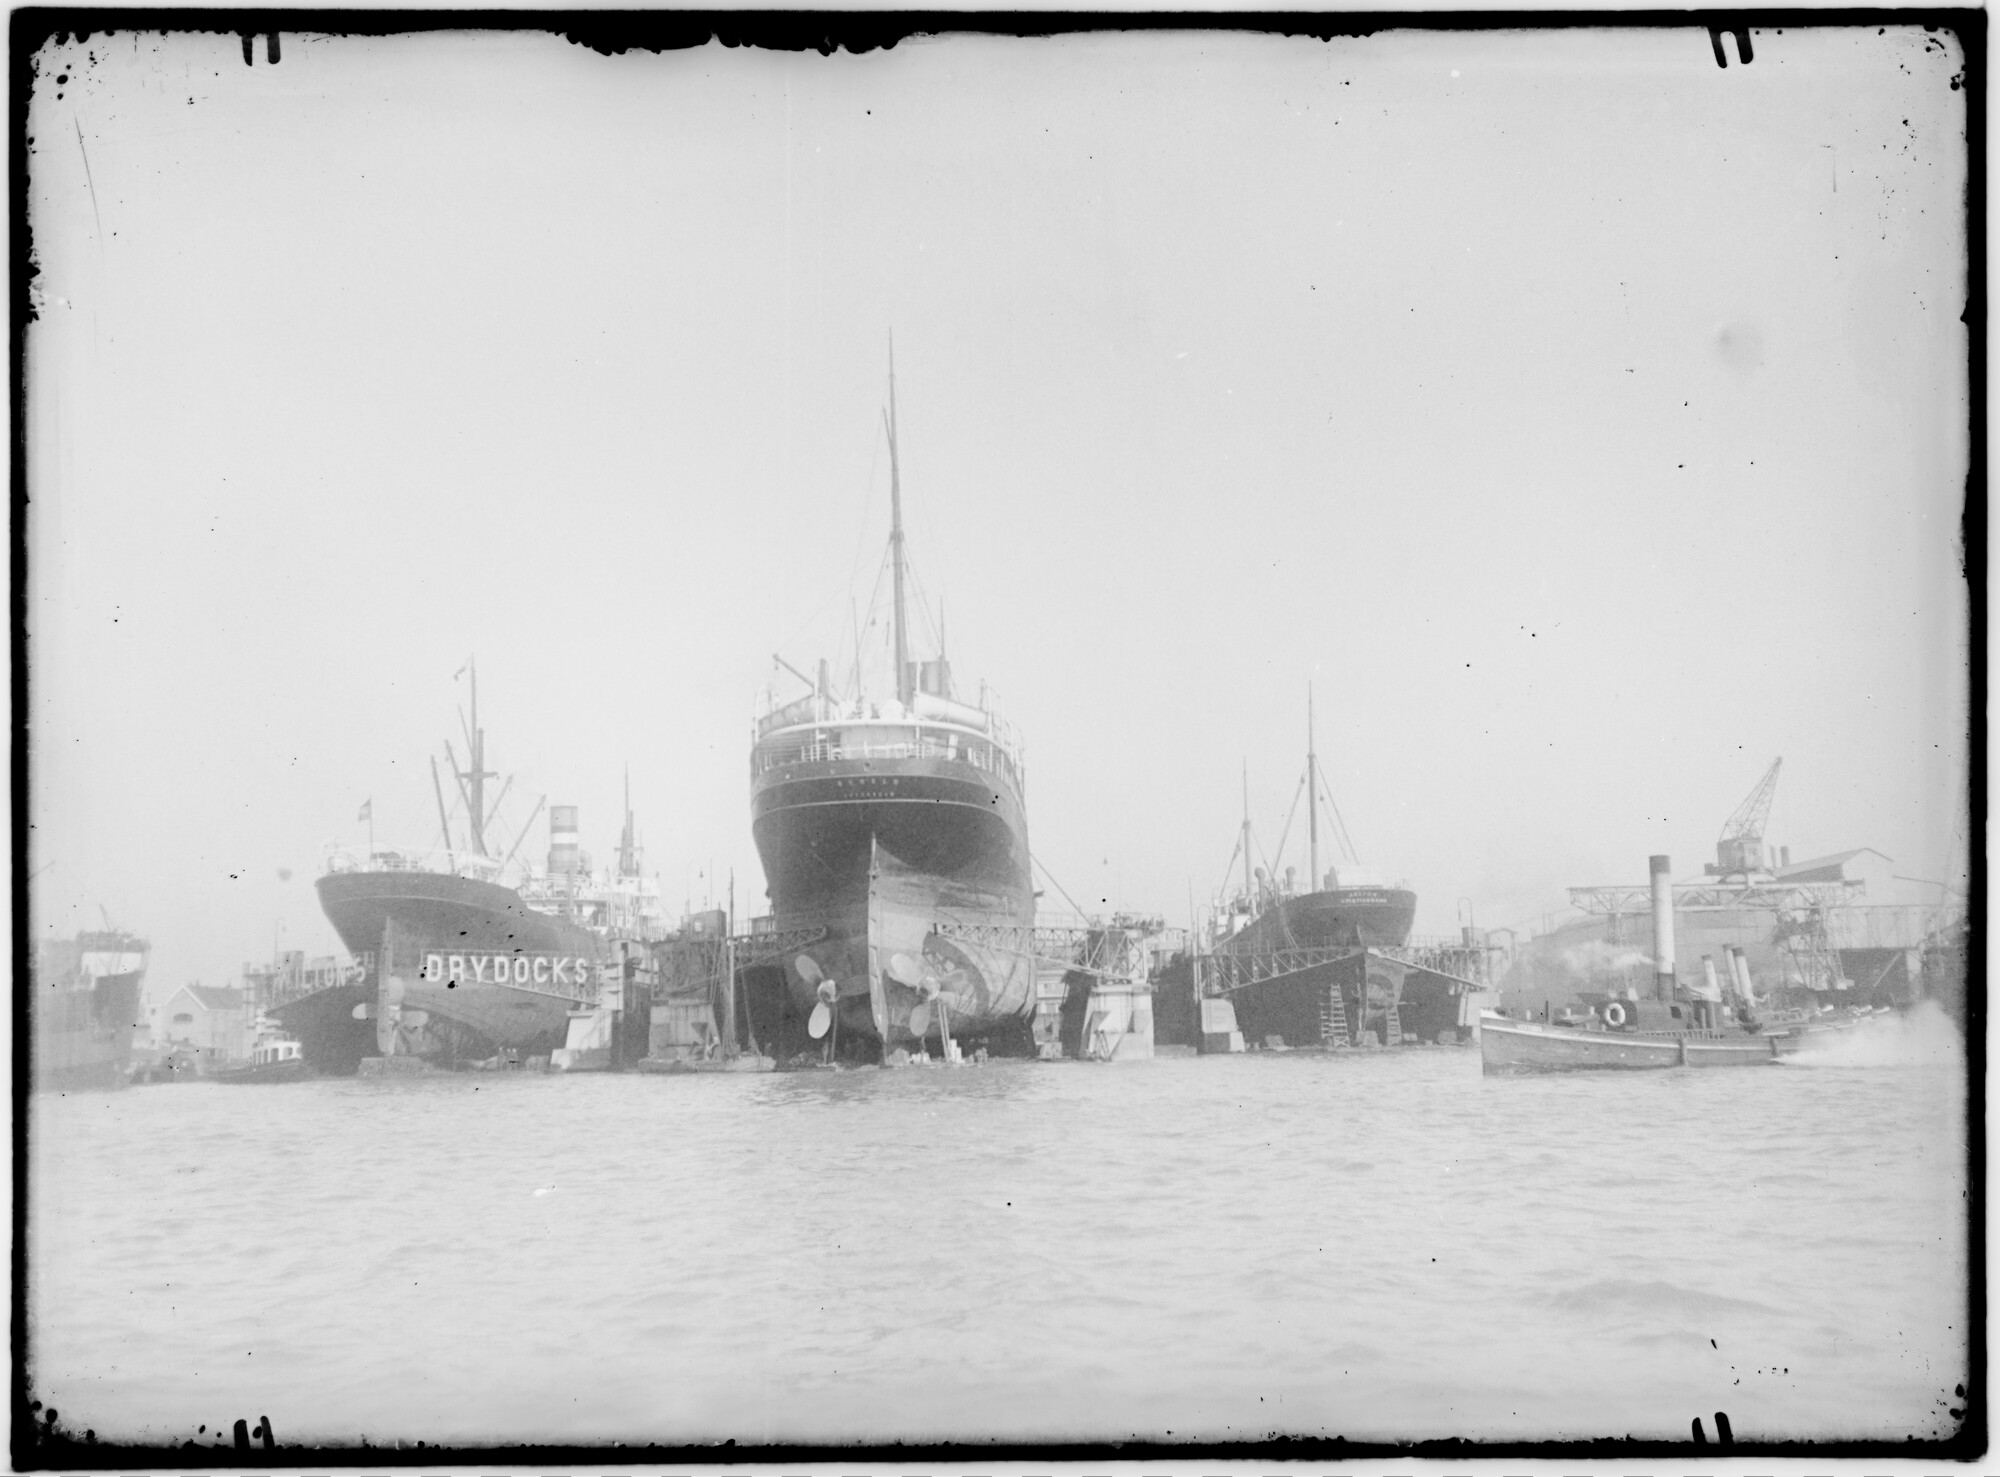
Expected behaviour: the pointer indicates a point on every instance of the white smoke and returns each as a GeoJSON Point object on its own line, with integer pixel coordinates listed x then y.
{"type": "Point", "coordinates": [1921, 1037]}
{"type": "Point", "coordinates": [1598, 957]}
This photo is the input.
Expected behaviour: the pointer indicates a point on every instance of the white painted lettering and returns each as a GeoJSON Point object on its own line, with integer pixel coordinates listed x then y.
{"type": "Point", "coordinates": [541, 971]}
{"type": "Point", "coordinates": [457, 965]}
{"type": "Point", "coordinates": [520, 971]}
{"type": "Point", "coordinates": [433, 966]}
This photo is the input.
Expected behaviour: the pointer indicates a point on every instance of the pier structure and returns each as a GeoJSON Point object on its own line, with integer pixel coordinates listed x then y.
{"type": "Point", "coordinates": [715, 994]}
{"type": "Point", "coordinates": [1426, 989]}
{"type": "Point", "coordinates": [1844, 925]}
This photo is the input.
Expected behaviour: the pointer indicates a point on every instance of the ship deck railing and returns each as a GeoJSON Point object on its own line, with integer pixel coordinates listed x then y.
{"type": "Point", "coordinates": [980, 753]}
{"type": "Point", "coordinates": [413, 859]}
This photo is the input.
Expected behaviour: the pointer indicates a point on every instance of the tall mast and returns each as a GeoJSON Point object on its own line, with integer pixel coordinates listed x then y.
{"type": "Point", "coordinates": [473, 778]}
{"type": "Point", "coordinates": [903, 692]}
{"type": "Point", "coordinates": [1248, 891]}
{"type": "Point", "coordinates": [1312, 795]}
{"type": "Point", "coordinates": [625, 867]}
{"type": "Point", "coordinates": [478, 776]}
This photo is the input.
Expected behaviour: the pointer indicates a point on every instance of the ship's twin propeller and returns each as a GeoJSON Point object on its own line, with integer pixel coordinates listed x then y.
{"type": "Point", "coordinates": [906, 971]}
{"type": "Point", "coordinates": [395, 1027]}
{"type": "Point", "coordinates": [821, 1020]}
{"type": "Point", "coordinates": [903, 970]}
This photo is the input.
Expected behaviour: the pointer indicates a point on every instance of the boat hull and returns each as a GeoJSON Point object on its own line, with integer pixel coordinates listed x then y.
{"type": "Point", "coordinates": [926, 859]}
{"type": "Point", "coordinates": [469, 960]}
{"type": "Point", "coordinates": [1338, 917]}
{"type": "Point", "coordinates": [1507, 1046]}
{"type": "Point", "coordinates": [294, 1070]}
{"type": "Point", "coordinates": [330, 1036]}
{"type": "Point", "coordinates": [84, 1011]}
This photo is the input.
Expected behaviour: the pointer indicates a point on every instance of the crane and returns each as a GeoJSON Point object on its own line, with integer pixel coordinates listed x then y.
{"type": "Point", "coordinates": [1740, 849]}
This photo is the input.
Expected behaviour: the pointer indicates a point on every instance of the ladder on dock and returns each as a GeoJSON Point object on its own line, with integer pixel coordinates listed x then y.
{"type": "Point", "coordinates": [1334, 1027]}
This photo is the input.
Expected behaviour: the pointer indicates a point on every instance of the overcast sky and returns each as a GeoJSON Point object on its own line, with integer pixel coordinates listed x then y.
{"type": "Point", "coordinates": [1582, 421]}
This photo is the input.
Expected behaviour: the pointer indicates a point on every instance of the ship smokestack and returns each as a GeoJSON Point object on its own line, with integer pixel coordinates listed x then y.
{"type": "Point", "coordinates": [1739, 971]}
{"type": "Point", "coordinates": [562, 841]}
{"type": "Point", "coordinates": [1663, 928]}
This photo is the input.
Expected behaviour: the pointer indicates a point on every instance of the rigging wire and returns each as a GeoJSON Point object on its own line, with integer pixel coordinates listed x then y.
{"type": "Point", "coordinates": [1290, 816]}
{"type": "Point", "coordinates": [1050, 876]}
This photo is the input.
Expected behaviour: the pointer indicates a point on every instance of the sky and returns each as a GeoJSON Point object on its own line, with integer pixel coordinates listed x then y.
{"type": "Point", "coordinates": [1582, 423]}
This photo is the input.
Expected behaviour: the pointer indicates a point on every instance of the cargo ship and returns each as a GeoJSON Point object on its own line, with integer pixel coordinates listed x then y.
{"type": "Point", "coordinates": [85, 1009]}
{"type": "Point", "coordinates": [1348, 906]}
{"type": "Point", "coordinates": [457, 961]}
{"type": "Point", "coordinates": [1363, 997]}
{"type": "Point", "coordinates": [891, 821]}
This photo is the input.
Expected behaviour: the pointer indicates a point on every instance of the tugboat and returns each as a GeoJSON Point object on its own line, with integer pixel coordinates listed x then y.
{"type": "Point", "coordinates": [1623, 1034]}
{"type": "Point", "coordinates": [892, 826]}
{"type": "Point", "coordinates": [275, 1057]}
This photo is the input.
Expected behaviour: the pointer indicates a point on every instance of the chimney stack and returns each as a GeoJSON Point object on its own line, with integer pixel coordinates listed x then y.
{"type": "Point", "coordinates": [1663, 928]}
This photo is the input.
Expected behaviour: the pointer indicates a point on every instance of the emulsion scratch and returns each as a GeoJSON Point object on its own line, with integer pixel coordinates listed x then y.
{"type": "Point", "coordinates": [87, 181]}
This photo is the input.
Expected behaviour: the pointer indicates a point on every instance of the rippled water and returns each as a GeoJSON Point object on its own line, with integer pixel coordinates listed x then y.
{"type": "Point", "coordinates": [1378, 1246]}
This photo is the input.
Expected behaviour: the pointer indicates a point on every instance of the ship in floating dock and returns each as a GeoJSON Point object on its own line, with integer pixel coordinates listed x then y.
{"type": "Point", "coordinates": [458, 962]}
{"type": "Point", "coordinates": [1328, 966]}
{"type": "Point", "coordinates": [892, 826]}
{"type": "Point", "coordinates": [1350, 906]}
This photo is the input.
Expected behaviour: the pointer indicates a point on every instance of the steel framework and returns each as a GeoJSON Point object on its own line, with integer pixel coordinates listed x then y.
{"type": "Point", "coordinates": [1718, 895]}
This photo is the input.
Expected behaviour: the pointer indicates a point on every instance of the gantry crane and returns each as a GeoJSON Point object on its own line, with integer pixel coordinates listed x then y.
{"type": "Point", "coordinates": [1740, 849]}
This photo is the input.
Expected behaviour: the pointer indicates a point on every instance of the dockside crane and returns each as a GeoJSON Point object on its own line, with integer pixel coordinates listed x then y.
{"type": "Point", "coordinates": [1739, 851]}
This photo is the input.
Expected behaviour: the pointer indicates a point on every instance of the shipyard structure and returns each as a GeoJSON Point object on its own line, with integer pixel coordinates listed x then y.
{"type": "Point", "coordinates": [1845, 929]}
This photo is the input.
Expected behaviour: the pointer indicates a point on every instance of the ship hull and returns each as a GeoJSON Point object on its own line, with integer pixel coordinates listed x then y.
{"type": "Point", "coordinates": [331, 1038]}
{"type": "Point", "coordinates": [1507, 1047]}
{"type": "Point", "coordinates": [1339, 917]}
{"type": "Point", "coordinates": [464, 968]}
{"type": "Point", "coordinates": [83, 1037]}
{"type": "Point", "coordinates": [84, 1009]}
{"type": "Point", "coordinates": [919, 860]}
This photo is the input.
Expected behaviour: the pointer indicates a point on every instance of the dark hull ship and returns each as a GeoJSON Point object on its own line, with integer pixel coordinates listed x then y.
{"type": "Point", "coordinates": [894, 840]}
{"type": "Point", "coordinates": [455, 963]}
{"type": "Point", "coordinates": [1360, 998]}
{"type": "Point", "coordinates": [84, 1010]}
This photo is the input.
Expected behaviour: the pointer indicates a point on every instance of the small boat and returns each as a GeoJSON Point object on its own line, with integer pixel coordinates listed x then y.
{"type": "Point", "coordinates": [1641, 1034]}
{"type": "Point", "coordinates": [1620, 1033]}
{"type": "Point", "coordinates": [275, 1057]}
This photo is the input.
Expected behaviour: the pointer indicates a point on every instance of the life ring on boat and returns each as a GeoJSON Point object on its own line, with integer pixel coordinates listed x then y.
{"type": "Point", "coordinates": [1617, 1015]}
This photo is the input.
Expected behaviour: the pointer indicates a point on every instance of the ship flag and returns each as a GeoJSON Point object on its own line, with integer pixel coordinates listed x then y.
{"type": "Point", "coordinates": [367, 810]}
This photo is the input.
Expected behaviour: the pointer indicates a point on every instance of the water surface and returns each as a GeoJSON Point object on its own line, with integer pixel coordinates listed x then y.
{"type": "Point", "coordinates": [1381, 1246]}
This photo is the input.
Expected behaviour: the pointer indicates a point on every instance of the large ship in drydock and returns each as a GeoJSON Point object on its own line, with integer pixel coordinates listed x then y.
{"type": "Point", "coordinates": [892, 827]}
{"type": "Point", "coordinates": [459, 961]}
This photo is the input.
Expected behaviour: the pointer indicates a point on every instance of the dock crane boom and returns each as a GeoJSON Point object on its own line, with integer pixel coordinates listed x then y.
{"type": "Point", "coordinates": [1740, 848]}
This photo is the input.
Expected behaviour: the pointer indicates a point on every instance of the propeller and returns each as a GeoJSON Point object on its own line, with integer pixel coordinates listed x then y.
{"type": "Point", "coordinates": [396, 1029]}
{"type": "Point", "coordinates": [822, 1012]}
{"type": "Point", "coordinates": [906, 971]}
{"type": "Point", "coordinates": [808, 968]}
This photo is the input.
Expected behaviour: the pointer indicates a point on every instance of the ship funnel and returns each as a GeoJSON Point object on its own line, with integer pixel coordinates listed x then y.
{"type": "Point", "coordinates": [562, 841]}
{"type": "Point", "coordinates": [1663, 928]}
{"type": "Point", "coordinates": [1739, 972]}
